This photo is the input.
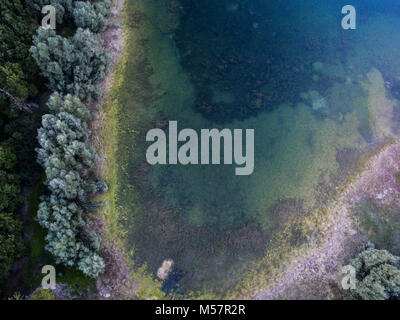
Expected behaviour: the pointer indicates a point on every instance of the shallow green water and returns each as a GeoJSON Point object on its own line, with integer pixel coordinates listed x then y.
{"type": "Point", "coordinates": [315, 119]}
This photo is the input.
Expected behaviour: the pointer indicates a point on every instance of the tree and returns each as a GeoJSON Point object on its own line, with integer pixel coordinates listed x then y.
{"type": "Point", "coordinates": [17, 69]}
{"type": "Point", "coordinates": [19, 134]}
{"type": "Point", "coordinates": [70, 104]}
{"type": "Point", "coordinates": [10, 198]}
{"type": "Point", "coordinates": [67, 158]}
{"type": "Point", "coordinates": [65, 224]}
{"type": "Point", "coordinates": [71, 65]}
{"type": "Point", "coordinates": [12, 77]}
{"type": "Point", "coordinates": [16, 30]}
{"type": "Point", "coordinates": [92, 16]}
{"type": "Point", "coordinates": [64, 136]}
{"type": "Point", "coordinates": [17, 74]}
{"type": "Point", "coordinates": [378, 275]}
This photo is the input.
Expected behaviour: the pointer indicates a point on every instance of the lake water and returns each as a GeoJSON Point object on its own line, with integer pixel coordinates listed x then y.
{"type": "Point", "coordinates": [318, 97]}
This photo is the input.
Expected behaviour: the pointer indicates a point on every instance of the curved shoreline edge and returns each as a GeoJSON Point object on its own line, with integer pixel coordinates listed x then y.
{"type": "Point", "coordinates": [122, 279]}
{"type": "Point", "coordinates": [317, 267]}
{"type": "Point", "coordinates": [317, 263]}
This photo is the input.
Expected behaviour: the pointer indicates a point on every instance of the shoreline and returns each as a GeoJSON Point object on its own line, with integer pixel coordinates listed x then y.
{"type": "Point", "coordinates": [302, 265]}
{"type": "Point", "coordinates": [116, 276]}
{"type": "Point", "coordinates": [114, 44]}
{"type": "Point", "coordinates": [316, 268]}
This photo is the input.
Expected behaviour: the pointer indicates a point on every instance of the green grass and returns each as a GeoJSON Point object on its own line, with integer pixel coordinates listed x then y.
{"type": "Point", "coordinates": [118, 129]}
{"type": "Point", "coordinates": [381, 224]}
{"type": "Point", "coordinates": [397, 176]}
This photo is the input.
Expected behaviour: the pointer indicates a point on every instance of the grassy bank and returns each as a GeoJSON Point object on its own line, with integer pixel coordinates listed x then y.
{"type": "Point", "coordinates": [119, 135]}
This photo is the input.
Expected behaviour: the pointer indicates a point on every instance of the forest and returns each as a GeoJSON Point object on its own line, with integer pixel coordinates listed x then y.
{"type": "Point", "coordinates": [46, 77]}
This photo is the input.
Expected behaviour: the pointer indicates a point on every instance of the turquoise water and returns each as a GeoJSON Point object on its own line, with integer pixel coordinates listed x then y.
{"type": "Point", "coordinates": [317, 96]}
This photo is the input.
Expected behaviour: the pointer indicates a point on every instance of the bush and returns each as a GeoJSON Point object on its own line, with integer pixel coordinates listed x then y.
{"type": "Point", "coordinates": [378, 275]}
{"type": "Point", "coordinates": [42, 294]}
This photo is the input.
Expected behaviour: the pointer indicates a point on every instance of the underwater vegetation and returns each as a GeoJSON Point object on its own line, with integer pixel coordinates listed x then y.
{"type": "Point", "coordinates": [243, 58]}
{"type": "Point", "coordinates": [310, 92]}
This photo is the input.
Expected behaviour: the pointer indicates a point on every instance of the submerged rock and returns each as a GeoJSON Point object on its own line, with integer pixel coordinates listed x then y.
{"type": "Point", "coordinates": [165, 269]}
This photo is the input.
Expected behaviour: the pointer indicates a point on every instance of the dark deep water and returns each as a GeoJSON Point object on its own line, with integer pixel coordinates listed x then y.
{"type": "Point", "coordinates": [251, 48]}
{"type": "Point", "coordinates": [262, 47]}
{"type": "Point", "coordinates": [288, 70]}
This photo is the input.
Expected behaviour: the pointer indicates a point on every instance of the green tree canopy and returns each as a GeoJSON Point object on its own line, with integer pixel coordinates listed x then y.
{"type": "Point", "coordinates": [71, 65]}
{"type": "Point", "coordinates": [17, 27]}
{"type": "Point", "coordinates": [378, 275]}
{"type": "Point", "coordinates": [67, 158]}
{"type": "Point", "coordinates": [10, 199]}
{"type": "Point", "coordinates": [92, 16]}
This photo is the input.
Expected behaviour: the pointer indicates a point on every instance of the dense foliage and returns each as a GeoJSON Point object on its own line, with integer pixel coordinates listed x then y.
{"type": "Point", "coordinates": [10, 199]}
{"type": "Point", "coordinates": [67, 158]}
{"type": "Point", "coordinates": [71, 65]}
{"type": "Point", "coordinates": [17, 70]}
{"type": "Point", "coordinates": [63, 7]}
{"type": "Point", "coordinates": [378, 275]}
{"type": "Point", "coordinates": [91, 16]}
{"type": "Point", "coordinates": [82, 13]}
{"type": "Point", "coordinates": [20, 132]}
{"type": "Point", "coordinates": [18, 83]}
{"type": "Point", "coordinates": [42, 294]}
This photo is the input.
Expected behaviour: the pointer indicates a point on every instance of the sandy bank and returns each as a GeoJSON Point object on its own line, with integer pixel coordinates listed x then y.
{"type": "Point", "coordinates": [316, 271]}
